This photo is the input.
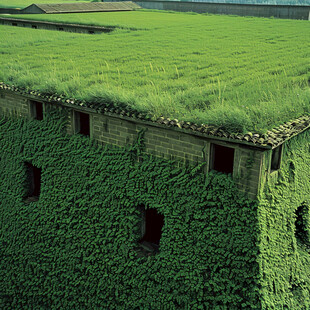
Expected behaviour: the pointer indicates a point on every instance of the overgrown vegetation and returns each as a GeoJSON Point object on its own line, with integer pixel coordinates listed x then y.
{"type": "Point", "coordinates": [75, 247]}
{"type": "Point", "coordinates": [284, 227]}
{"type": "Point", "coordinates": [233, 72]}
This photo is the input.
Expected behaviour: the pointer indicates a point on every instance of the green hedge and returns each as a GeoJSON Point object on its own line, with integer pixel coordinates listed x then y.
{"type": "Point", "coordinates": [75, 247]}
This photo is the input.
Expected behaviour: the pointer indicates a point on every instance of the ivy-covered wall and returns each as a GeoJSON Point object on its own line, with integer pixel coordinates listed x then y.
{"type": "Point", "coordinates": [185, 147]}
{"type": "Point", "coordinates": [75, 248]}
{"type": "Point", "coordinates": [285, 227]}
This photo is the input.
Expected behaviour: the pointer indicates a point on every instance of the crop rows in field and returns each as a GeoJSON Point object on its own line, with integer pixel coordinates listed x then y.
{"type": "Point", "coordinates": [234, 72]}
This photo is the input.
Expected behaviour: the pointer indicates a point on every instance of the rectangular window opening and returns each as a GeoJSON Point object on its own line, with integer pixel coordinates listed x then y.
{"type": "Point", "coordinates": [302, 234]}
{"type": "Point", "coordinates": [276, 158]}
{"type": "Point", "coordinates": [33, 182]}
{"type": "Point", "coordinates": [222, 158]}
{"type": "Point", "coordinates": [37, 110]}
{"type": "Point", "coordinates": [82, 123]}
{"type": "Point", "coordinates": [152, 224]}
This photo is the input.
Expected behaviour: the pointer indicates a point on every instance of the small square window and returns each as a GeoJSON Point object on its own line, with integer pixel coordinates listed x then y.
{"type": "Point", "coordinates": [36, 109]}
{"type": "Point", "coordinates": [222, 158]}
{"type": "Point", "coordinates": [82, 123]}
{"type": "Point", "coordinates": [276, 158]}
{"type": "Point", "coordinates": [33, 182]}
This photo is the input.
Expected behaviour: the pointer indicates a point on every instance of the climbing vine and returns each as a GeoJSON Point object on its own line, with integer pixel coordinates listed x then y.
{"type": "Point", "coordinates": [75, 248]}
{"type": "Point", "coordinates": [284, 230]}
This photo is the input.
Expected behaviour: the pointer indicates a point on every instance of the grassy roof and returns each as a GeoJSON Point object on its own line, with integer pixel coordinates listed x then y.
{"type": "Point", "coordinates": [24, 3]}
{"type": "Point", "coordinates": [237, 73]}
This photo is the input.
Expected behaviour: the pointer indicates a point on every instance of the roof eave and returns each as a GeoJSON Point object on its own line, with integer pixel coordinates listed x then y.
{"type": "Point", "coordinates": [272, 139]}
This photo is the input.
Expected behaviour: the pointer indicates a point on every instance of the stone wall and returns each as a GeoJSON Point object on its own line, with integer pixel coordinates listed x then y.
{"type": "Point", "coordinates": [186, 148]}
{"type": "Point", "coordinates": [259, 10]}
{"type": "Point", "coordinates": [183, 146]}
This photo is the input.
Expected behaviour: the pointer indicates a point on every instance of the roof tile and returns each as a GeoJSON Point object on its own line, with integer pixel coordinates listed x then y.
{"type": "Point", "coordinates": [273, 137]}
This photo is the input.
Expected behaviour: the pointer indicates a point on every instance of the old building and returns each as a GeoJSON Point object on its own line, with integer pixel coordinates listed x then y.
{"type": "Point", "coordinates": [266, 169]}
{"type": "Point", "coordinates": [106, 203]}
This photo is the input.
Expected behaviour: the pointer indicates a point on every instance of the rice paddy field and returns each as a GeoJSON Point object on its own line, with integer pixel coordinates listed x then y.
{"type": "Point", "coordinates": [238, 73]}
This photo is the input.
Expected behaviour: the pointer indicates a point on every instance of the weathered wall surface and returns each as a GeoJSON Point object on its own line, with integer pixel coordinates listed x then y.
{"type": "Point", "coordinates": [284, 245]}
{"type": "Point", "coordinates": [278, 11]}
{"type": "Point", "coordinates": [160, 141]}
{"type": "Point", "coordinates": [183, 147]}
{"type": "Point", "coordinates": [13, 104]}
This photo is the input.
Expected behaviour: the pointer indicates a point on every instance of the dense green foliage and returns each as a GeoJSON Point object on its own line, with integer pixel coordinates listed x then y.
{"type": "Point", "coordinates": [285, 238]}
{"type": "Point", "coordinates": [238, 73]}
{"type": "Point", "coordinates": [74, 248]}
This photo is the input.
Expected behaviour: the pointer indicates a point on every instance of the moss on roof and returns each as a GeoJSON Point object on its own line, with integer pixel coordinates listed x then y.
{"type": "Point", "coordinates": [81, 7]}
{"type": "Point", "coordinates": [239, 74]}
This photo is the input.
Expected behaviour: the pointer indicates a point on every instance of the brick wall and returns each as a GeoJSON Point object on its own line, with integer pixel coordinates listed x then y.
{"type": "Point", "coordinates": [185, 148]}
{"type": "Point", "coordinates": [13, 104]}
{"type": "Point", "coordinates": [162, 142]}
{"type": "Point", "coordinates": [174, 144]}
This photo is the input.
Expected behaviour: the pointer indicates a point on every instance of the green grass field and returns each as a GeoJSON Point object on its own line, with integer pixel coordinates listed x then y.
{"type": "Point", "coordinates": [237, 73]}
{"type": "Point", "coordinates": [24, 3]}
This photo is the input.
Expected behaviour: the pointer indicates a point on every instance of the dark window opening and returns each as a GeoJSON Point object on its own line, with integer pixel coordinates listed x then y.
{"type": "Point", "coordinates": [222, 158]}
{"type": "Point", "coordinates": [33, 182]}
{"type": "Point", "coordinates": [302, 223]}
{"type": "Point", "coordinates": [34, 26]}
{"type": "Point", "coordinates": [37, 110]}
{"type": "Point", "coordinates": [151, 229]}
{"type": "Point", "coordinates": [276, 158]}
{"type": "Point", "coordinates": [291, 172]}
{"type": "Point", "coordinates": [82, 123]}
